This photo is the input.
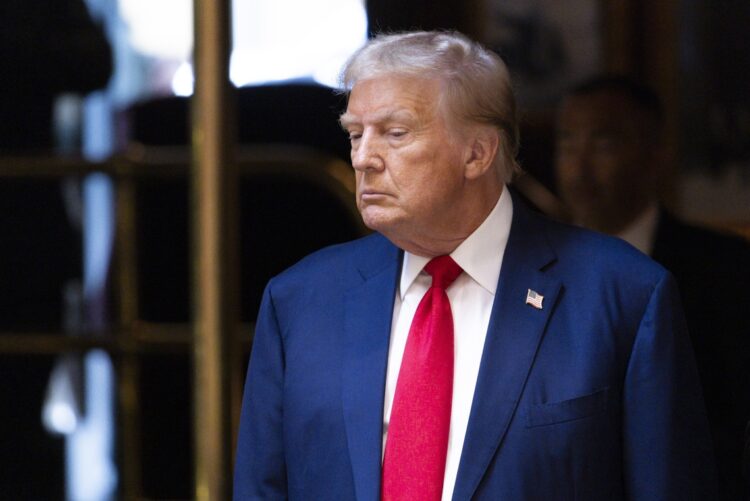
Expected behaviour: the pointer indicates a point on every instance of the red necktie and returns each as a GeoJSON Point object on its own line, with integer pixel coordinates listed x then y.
{"type": "Point", "coordinates": [417, 442]}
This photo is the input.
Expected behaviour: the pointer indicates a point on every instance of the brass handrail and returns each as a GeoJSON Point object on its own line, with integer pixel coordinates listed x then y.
{"type": "Point", "coordinates": [140, 337]}
{"type": "Point", "coordinates": [130, 337]}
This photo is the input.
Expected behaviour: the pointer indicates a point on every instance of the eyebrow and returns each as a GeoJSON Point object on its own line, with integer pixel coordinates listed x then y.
{"type": "Point", "coordinates": [348, 119]}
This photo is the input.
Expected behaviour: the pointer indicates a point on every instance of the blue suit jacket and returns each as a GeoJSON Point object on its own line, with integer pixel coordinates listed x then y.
{"type": "Point", "coordinates": [595, 396]}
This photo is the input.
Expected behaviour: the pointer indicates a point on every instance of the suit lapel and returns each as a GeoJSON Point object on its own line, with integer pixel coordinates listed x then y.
{"type": "Point", "coordinates": [367, 327]}
{"type": "Point", "coordinates": [513, 336]}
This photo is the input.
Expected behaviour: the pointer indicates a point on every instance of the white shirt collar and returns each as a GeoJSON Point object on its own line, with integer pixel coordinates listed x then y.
{"type": "Point", "coordinates": [480, 255]}
{"type": "Point", "coordinates": [641, 232]}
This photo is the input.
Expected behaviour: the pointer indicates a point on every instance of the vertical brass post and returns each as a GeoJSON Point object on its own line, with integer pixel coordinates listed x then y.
{"type": "Point", "coordinates": [127, 382]}
{"type": "Point", "coordinates": [214, 185]}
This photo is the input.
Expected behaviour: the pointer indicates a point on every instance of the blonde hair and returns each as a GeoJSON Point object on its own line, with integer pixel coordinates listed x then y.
{"type": "Point", "coordinates": [476, 81]}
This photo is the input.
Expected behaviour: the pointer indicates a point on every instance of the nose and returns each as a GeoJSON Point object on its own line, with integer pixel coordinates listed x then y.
{"type": "Point", "coordinates": [366, 154]}
{"type": "Point", "coordinates": [574, 156]}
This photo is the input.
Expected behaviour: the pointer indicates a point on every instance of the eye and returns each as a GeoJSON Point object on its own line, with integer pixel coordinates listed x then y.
{"type": "Point", "coordinates": [354, 135]}
{"type": "Point", "coordinates": [397, 132]}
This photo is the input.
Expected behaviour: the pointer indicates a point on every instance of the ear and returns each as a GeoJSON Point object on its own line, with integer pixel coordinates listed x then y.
{"type": "Point", "coordinates": [481, 152]}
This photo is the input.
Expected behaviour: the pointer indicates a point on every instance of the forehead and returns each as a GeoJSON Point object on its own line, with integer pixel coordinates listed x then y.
{"type": "Point", "coordinates": [388, 97]}
{"type": "Point", "coordinates": [599, 110]}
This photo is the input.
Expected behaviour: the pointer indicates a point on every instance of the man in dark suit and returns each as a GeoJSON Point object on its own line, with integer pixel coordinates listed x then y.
{"type": "Point", "coordinates": [469, 349]}
{"type": "Point", "coordinates": [609, 171]}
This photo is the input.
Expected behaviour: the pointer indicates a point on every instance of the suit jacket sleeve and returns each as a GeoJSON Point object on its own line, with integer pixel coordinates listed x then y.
{"type": "Point", "coordinates": [260, 467]}
{"type": "Point", "coordinates": [666, 442]}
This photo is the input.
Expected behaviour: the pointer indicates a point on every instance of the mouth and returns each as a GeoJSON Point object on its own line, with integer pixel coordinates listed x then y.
{"type": "Point", "coordinates": [372, 195]}
{"type": "Point", "coordinates": [586, 190]}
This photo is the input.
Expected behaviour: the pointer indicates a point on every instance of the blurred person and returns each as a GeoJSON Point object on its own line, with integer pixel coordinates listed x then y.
{"type": "Point", "coordinates": [609, 171]}
{"type": "Point", "coordinates": [469, 348]}
{"type": "Point", "coordinates": [47, 47]}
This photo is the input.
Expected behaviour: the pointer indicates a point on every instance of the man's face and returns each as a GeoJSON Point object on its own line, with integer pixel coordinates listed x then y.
{"type": "Point", "coordinates": [606, 172]}
{"type": "Point", "coordinates": [407, 159]}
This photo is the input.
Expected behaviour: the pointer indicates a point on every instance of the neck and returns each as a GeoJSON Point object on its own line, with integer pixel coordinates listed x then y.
{"type": "Point", "coordinates": [616, 225]}
{"type": "Point", "coordinates": [462, 224]}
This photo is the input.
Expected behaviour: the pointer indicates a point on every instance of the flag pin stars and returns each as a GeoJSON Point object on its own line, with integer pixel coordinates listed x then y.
{"type": "Point", "coordinates": [534, 299]}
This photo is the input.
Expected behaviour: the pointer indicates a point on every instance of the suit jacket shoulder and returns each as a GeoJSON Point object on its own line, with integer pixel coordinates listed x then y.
{"type": "Point", "coordinates": [712, 271]}
{"type": "Point", "coordinates": [680, 244]}
{"type": "Point", "coordinates": [338, 266]}
{"type": "Point", "coordinates": [585, 256]}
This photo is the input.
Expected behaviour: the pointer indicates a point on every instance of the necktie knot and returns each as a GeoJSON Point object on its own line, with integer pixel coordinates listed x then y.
{"type": "Point", "coordinates": [444, 271]}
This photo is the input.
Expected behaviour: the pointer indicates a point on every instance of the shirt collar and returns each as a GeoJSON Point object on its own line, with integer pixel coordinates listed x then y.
{"type": "Point", "coordinates": [480, 255]}
{"type": "Point", "coordinates": [640, 233]}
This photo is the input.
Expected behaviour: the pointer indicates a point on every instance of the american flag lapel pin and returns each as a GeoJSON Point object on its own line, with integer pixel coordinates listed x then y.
{"type": "Point", "coordinates": [534, 299]}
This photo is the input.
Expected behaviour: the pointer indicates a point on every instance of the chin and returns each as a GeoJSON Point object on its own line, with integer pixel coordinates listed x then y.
{"type": "Point", "coordinates": [375, 224]}
{"type": "Point", "coordinates": [379, 220]}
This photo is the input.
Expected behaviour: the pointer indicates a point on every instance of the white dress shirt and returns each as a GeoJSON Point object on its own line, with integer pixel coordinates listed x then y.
{"type": "Point", "coordinates": [641, 233]}
{"type": "Point", "coordinates": [471, 297]}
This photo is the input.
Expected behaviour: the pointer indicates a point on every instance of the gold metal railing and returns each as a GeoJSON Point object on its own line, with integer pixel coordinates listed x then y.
{"type": "Point", "coordinates": [128, 337]}
{"type": "Point", "coordinates": [215, 257]}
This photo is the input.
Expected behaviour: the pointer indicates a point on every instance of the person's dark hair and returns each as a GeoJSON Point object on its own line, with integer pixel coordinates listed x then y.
{"type": "Point", "coordinates": [640, 94]}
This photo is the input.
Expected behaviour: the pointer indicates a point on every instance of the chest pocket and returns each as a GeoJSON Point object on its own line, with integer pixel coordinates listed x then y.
{"type": "Point", "coordinates": [567, 410]}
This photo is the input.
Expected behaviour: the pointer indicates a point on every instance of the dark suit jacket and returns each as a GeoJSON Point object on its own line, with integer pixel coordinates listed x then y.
{"type": "Point", "coordinates": [713, 274]}
{"type": "Point", "coordinates": [593, 397]}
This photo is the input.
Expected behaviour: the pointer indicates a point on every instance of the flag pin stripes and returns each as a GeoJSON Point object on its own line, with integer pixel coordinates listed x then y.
{"type": "Point", "coordinates": [534, 299]}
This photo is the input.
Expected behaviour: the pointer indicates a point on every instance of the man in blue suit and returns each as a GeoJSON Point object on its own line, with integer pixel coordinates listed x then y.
{"type": "Point", "coordinates": [571, 374]}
